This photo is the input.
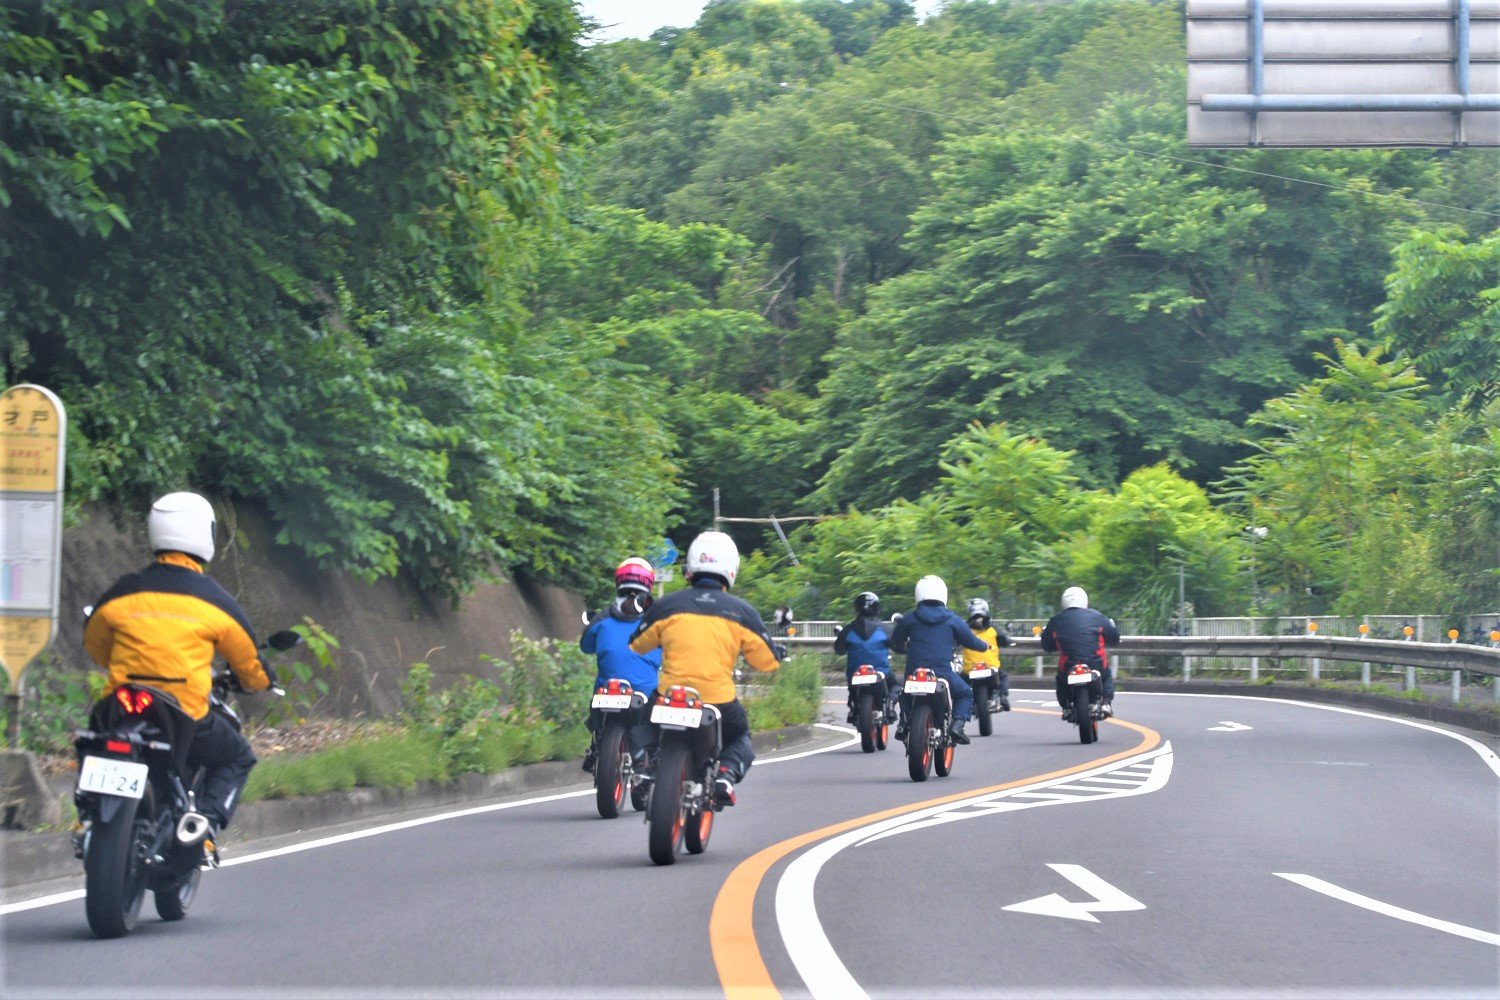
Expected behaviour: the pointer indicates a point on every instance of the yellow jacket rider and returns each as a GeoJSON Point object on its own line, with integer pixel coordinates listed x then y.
{"type": "Point", "coordinates": [701, 631]}
{"type": "Point", "coordinates": [162, 625]}
{"type": "Point", "coordinates": [979, 623]}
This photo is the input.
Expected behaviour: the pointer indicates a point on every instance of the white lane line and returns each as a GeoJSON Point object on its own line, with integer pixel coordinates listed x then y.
{"type": "Point", "coordinates": [1491, 760]}
{"type": "Point", "coordinates": [375, 831]}
{"type": "Point", "coordinates": [802, 932]}
{"type": "Point", "coordinates": [1410, 916]}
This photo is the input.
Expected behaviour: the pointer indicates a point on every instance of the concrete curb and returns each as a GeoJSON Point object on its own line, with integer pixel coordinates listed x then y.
{"type": "Point", "coordinates": [36, 857]}
{"type": "Point", "coordinates": [1465, 718]}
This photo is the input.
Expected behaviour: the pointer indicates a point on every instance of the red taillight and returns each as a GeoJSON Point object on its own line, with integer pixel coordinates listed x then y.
{"type": "Point", "coordinates": [865, 669]}
{"type": "Point", "coordinates": [677, 696]}
{"type": "Point", "coordinates": [117, 746]}
{"type": "Point", "coordinates": [617, 686]}
{"type": "Point", "coordinates": [922, 674]}
{"type": "Point", "coordinates": [134, 702]}
{"type": "Point", "coordinates": [601, 689]}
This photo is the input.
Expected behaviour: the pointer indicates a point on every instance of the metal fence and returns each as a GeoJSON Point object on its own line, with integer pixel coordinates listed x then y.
{"type": "Point", "coordinates": [1374, 649]}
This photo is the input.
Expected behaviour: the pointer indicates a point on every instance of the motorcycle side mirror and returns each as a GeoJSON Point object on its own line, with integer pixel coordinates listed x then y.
{"type": "Point", "coordinates": [284, 640]}
{"type": "Point", "coordinates": [584, 616]}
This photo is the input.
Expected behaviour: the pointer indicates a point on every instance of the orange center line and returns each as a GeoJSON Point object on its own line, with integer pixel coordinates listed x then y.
{"type": "Point", "coordinates": [731, 927]}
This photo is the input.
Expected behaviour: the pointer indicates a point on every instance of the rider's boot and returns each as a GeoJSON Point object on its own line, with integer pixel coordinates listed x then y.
{"type": "Point", "coordinates": [1005, 704]}
{"type": "Point", "coordinates": [723, 794]}
{"type": "Point", "coordinates": [956, 730]}
{"type": "Point", "coordinates": [1067, 714]}
{"type": "Point", "coordinates": [589, 758]}
{"type": "Point", "coordinates": [901, 730]}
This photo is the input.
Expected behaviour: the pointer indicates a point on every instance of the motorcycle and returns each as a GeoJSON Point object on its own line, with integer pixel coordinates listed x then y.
{"type": "Point", "coordinates": [928, 743]}
{"type": "Point", "coordinates": [1086, 691]}
{"type": "Point", "coordinates": [139, 826]}
{"type": "Point", "coordinates": [867, 697]}
{"type": "Point", "coordinates": [619, 708]}
{"type": "Point", "coordinates": [983, 681]}
{"type": "Point", "coordinates": [680, 807]}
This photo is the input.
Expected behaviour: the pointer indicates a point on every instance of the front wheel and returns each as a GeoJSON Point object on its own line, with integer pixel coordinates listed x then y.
{"type": "Point", "coordinates": [1086, 731]}
{"type": "Point", "coordinates": [942, 762]}
{"type": "Point", "coordinates": [982, 709]}
{"type": "Point", "coordinates": [865, 719]}
{"type": "Point", "coordinates": [918, 745]}
{"type": "Point", "coordinates": [700, 824]}
{"type": "Point", "coordinates": [114, 876]}
{"type": "Point", "coordinates": [664, 813]}
{"type": "Point", "coordinates": [610, 770]}
{"type": "Point", "coordinates": [173, 903]}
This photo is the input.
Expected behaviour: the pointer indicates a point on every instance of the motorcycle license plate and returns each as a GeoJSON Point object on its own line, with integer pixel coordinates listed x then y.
{"type": "Point", "coordinates": [981, 674]}
{"type": "Point", "coordinates": [921, 687]}
{"type": "Point", "coordinates": [107, 776]}
{"type": "Point", "coordinates": [858, 679]}
{"type": "Point", "coordinates": [1080, 678]}
{"type": "Point", "coordinates": [682, 718]}
{"type": "Point", "coordinates": [611, 701]}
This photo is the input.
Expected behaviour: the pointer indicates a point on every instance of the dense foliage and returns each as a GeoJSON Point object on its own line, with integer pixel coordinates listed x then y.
{"type": "Point", "coordinates": [450, 295]}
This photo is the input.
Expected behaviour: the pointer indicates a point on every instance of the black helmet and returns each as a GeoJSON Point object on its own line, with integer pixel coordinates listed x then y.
{"type": "Point", "coordinates": [867, 604]}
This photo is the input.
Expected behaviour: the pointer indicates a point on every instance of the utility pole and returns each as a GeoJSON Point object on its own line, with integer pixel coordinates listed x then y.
{"type": "Point", "coordinates": [716, 510]}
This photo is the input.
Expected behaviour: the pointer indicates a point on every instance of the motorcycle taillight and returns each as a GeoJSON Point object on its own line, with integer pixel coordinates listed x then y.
{"type": "Point", "coordinates": [134, 702]}
{"type": "Point", "coordinates": [117, 746]}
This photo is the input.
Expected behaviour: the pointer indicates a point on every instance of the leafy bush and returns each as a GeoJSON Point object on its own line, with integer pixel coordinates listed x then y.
{"type": "Point", "coordinates": [793, 697]}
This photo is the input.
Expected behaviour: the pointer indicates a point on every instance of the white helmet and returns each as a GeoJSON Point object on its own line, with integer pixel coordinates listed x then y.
{"type": "Point", "coordinates": [182, 522]}
{"type": "Point", "coordinates": [932, 588]}
{"type": "Point", "coordinates": [1075, 597]}
{"type": "Point", "coordinates": [715, 553]}
{"type": "Point", "coordinates": [979, 606]}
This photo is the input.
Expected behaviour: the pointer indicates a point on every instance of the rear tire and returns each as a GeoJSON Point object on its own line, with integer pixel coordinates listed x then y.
{"type": "Point", "coordinates": [664, 811]}
{"type": "Point", "coordinates": [918, 749]}
{"type": "Point", "coordinates": [1082, 714]}
{"type": "Point", "coordinates": [609, 775]}
{"type": "Point", "coordinates": [639, 796]}
{"type": "Point", "coordinates": [865, 718]}
{"type": "Point", "coordinates": [883, 735]}
{"type": "Point", "coordinates": [172, 904]}
{"type": "Point", "coordinates": [114, 878]}
{"type": "Point", "coordinates": [982, 709]}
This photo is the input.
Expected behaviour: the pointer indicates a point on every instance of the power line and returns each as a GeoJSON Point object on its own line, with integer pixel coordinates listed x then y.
{"type": "Point", "coordinates": [986, 123]}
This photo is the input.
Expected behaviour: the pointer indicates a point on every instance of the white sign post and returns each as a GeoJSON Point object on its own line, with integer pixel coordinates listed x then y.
{"type": "Point", "coordinates": [33, 455]}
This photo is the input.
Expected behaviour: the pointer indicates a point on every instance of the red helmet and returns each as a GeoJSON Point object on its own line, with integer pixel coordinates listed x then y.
{"type": "Point", "coordinates": [636, 573]}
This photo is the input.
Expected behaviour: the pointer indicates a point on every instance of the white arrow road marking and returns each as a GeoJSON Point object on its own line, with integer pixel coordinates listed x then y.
{"type": "Point", "coordinates": [1410, 916]}
{"type": "Point", "coordinates": [1229, 727]}
{"type": "Point", "coordinates": [802, 933]}
{"type": "Point", "coordinates": [1107, 899]}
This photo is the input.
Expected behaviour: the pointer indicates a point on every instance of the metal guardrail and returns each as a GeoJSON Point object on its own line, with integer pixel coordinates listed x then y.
{"type": "Point", "coordinates": [1456, 657]}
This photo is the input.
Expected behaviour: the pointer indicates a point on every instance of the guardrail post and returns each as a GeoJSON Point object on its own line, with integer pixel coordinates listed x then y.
{"type": "Point", "coordinates": [1035, 631]}
{"type": "Point", "coordinates": [1458, 686]}
{"type": "Point", "coordinates": [1316, 666]}
{"type": "Point", "coordinates": [1254, 669]}
{"type": "Point", "coordinates": [1364, 669]}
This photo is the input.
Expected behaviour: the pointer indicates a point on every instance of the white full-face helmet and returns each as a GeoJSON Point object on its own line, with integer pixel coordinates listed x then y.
{"type": "Point", "coordinates": [715, 554]}
{"type": "Point", "coordinates": [932, 588]}
{"type": "Point", "coordinates": [182, 522]}
{"type": "Point", "coordinates": [978, 608]}
{"type": "Point", "coordinates": [1075, 597]}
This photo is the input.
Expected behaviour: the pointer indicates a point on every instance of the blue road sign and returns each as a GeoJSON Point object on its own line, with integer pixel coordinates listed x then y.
{"type": "Point", "coordinates": [665, 555]}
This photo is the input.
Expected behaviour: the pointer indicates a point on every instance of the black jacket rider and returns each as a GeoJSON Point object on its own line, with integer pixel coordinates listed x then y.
{"type": "Point", "coordinates": [1080, 635]}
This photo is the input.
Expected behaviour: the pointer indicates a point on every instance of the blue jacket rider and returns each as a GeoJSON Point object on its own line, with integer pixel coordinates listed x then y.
{"type": "Point", "coordinates": [928, 637]}
{"type": "Point", "coordinates": [865, 641]}
{"type": "Point", "coordinates": [607, 639]}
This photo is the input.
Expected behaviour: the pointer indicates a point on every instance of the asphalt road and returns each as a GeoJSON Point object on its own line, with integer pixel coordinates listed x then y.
{"type": "Point", "coordinates": [1207, 845]}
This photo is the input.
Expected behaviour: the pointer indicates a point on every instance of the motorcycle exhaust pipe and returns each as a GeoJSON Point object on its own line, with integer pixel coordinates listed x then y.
{"type": "Point", "coordinates": [192, 828]}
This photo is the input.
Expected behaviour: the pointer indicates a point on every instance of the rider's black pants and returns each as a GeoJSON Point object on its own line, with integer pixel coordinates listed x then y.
{"type": "Point", "coordinates": [226, 755]}
{"type": "Point", "coordinates": [738, 754]}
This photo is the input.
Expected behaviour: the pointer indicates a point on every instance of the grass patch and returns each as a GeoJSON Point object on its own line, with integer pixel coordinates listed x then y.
{"type": "Point", "coordinates": [792, 698]}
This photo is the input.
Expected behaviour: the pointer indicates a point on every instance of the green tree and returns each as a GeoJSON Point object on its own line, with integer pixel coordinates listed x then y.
{"type": "Point", "coordinates": [1442, 309]}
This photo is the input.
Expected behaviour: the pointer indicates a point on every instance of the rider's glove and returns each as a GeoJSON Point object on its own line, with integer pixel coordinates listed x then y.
{"type": "Point", "coordinates": [270, 675]}
{"type": "Point", "coordinates": [779, 648]}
